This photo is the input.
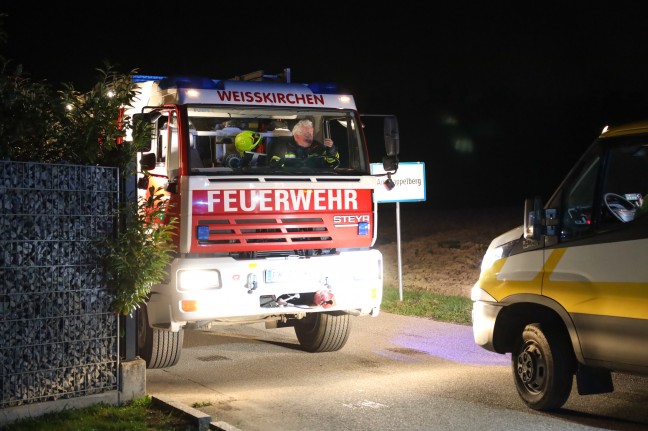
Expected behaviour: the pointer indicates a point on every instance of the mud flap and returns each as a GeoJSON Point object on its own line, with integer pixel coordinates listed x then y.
{"type": "Point", "coordinates": [593, 380]}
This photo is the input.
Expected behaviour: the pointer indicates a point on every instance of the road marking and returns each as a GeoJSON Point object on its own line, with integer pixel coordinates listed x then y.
{"type": "Point", "coordinates": [365, 404]}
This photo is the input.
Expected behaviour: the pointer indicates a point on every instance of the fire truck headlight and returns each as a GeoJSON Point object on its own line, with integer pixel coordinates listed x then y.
{"type": "Point", "coordinates": [193, 280]}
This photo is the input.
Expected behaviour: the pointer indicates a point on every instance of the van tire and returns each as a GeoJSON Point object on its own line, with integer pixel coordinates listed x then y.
{"type": "Point", "coordinates": [543, 367]}
{"type": "Point", "coordinates": [158, 347]}
{"type": "Point", "coordinates": [323, 332]}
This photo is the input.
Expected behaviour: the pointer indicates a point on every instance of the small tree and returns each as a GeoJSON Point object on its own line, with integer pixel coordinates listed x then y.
{"type": "Point", "coordinates": [38, 124]}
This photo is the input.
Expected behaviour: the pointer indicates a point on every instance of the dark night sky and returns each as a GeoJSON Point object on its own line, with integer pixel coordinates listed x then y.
{"type": "Point", "coordinates": [497, 101]}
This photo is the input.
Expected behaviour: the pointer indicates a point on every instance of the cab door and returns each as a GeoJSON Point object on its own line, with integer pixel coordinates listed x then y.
{"type": "Point", "coordinates": [596, 267]}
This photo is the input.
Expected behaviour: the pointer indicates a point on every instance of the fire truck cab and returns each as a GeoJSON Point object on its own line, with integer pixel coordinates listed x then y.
{"type": "Point", "coordinates": [263, 235]}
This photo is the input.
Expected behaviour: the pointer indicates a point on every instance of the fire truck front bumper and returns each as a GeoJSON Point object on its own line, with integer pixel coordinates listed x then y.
{"type": "Point", "coordinates": [227, 290]}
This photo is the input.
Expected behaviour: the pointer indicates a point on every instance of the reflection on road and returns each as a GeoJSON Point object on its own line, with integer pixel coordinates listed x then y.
{"type": "Point", "coordinates": [455, 344]}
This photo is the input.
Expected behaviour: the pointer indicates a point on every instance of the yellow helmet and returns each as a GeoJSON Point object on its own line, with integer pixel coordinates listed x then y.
{"type": "Point", "coordinates": [246, 141]}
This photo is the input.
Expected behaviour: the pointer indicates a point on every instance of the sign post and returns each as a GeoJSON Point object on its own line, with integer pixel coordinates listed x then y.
{"type": "Point", "coordinates": [409, 186]}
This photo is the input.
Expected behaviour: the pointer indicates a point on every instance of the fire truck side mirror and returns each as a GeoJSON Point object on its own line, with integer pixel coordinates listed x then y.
{"type": "Point", "coordinates": [390, 163]}
{"type": "Point", "coordinates": [172, 187]}
{"type": "Point", "coordinates": [147, 162]}
{"type": "Point", "coordinates": [392, 143]}
{"type": "Point", "coordinates": [144, 123]}
{"type": "Point", "coordinates": [143, 183]}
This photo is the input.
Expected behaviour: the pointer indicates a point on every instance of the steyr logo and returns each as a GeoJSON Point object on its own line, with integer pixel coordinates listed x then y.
{"type": "Point", "coordinates": [350, 219]}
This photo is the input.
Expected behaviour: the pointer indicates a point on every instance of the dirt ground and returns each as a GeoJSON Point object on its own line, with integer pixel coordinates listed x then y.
{"type": "Point", "coordinates": [441, 250]}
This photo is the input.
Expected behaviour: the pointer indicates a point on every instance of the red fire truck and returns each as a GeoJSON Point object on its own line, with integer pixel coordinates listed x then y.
{"type": "Point", "coordinates": [262, 237]}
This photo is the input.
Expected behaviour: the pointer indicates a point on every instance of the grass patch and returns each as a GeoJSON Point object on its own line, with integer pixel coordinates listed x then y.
{"type": "Point", "coordinates": [454, 309]}
{"type": "Point", "coordinates": [137, 415]}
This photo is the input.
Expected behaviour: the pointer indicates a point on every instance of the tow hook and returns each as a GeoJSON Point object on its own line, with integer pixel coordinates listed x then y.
{"type": "Point", "coordinates": [326, 283]}
{"type": "Point", "coordinates": [251, 282]}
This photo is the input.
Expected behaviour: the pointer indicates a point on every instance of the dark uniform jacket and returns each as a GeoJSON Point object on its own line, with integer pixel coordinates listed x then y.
{"type": "Point", "coordinates": [292, 151]}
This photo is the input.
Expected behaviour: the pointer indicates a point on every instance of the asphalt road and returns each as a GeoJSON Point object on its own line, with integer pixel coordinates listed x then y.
{"type": "Point", "coordinates": [395, 373]}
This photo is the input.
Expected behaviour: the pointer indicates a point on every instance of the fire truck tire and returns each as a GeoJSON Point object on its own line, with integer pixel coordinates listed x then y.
{"type": "Point", "coordinates": [159, 348]}
{"type": "Point", "coordinates": [323, 332]}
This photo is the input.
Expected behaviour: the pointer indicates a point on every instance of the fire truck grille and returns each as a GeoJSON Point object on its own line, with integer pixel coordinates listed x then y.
{"type": "Point", "coordinates": [251, 230]}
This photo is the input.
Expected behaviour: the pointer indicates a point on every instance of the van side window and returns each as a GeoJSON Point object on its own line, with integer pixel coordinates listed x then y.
{"type": "Point", "coordinates": [625, 184]}
{"type": "Point", "coordinates": [578, 199]}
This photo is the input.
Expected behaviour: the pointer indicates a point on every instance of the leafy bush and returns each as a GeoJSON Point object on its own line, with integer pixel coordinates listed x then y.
{"type": "Point", "coordinates": [139, 255]}
{"type": "Point", "coordinates": [38, 124]}
{"type": "Point", "coordinates": [30, 118]}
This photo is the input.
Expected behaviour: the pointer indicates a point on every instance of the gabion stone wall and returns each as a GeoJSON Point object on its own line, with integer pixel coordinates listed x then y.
{"type": "Point", "coordinates": [58, 334]}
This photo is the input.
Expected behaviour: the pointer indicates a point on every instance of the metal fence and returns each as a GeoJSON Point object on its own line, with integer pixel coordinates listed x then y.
{"type": "Point", "coordinates": [58, 335]}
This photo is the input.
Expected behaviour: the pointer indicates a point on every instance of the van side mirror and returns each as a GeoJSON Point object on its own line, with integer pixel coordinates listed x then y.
{"type": "Point", "coordinates": [533, 218]}
{"type": "Point", "coordinates": [539, 221]}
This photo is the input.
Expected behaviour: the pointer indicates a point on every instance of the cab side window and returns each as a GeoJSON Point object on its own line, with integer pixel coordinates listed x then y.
{"type": "Point", "coordinates": [169, 140]}
{"type": "Point", "coordinates": [625, 184]}
{"type": "Point", "coordinates": [578, 199]}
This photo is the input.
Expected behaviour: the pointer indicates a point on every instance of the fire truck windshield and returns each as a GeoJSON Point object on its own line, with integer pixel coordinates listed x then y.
{"type": "Point", "coordinates": [244, 140]}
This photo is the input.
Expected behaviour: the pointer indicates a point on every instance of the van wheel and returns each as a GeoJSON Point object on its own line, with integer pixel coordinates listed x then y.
{"type": "Point", "coordinates": [159, 348]}
{"type": "Point", "coordinates": [543, 368]}
{"type": "Point", "coordinates": [323, 332]}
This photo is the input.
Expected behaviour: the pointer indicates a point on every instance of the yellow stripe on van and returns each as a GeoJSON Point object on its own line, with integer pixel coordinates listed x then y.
{"type": "Point", "coordinates": [519, 273]}
{"type": "Point", "coordinates": [579, 279]}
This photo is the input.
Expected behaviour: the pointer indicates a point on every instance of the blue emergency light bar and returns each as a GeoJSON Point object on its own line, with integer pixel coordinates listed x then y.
{"type": "Point", "coordinates": [167, 82]}
{"type": "Point", "coordinates": [144, 78]}
{"type": "Point", "coordinates": [324, 88]}
{"type": "Point", "coordinates": [190, 82]}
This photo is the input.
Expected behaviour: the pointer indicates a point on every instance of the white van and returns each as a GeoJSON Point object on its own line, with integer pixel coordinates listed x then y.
{"type": "Point", "coordinates": [566, 293]}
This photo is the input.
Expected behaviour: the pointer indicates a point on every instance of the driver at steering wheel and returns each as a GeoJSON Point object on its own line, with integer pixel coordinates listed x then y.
{"type": "Point", "coordinates": [304, 147]}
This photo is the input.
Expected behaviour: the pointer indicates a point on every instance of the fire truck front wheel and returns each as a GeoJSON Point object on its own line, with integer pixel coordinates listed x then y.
{"type": "Point", "coordinates": [159, 348]}
{"type": "Point", "coordinates": [323, 332]}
